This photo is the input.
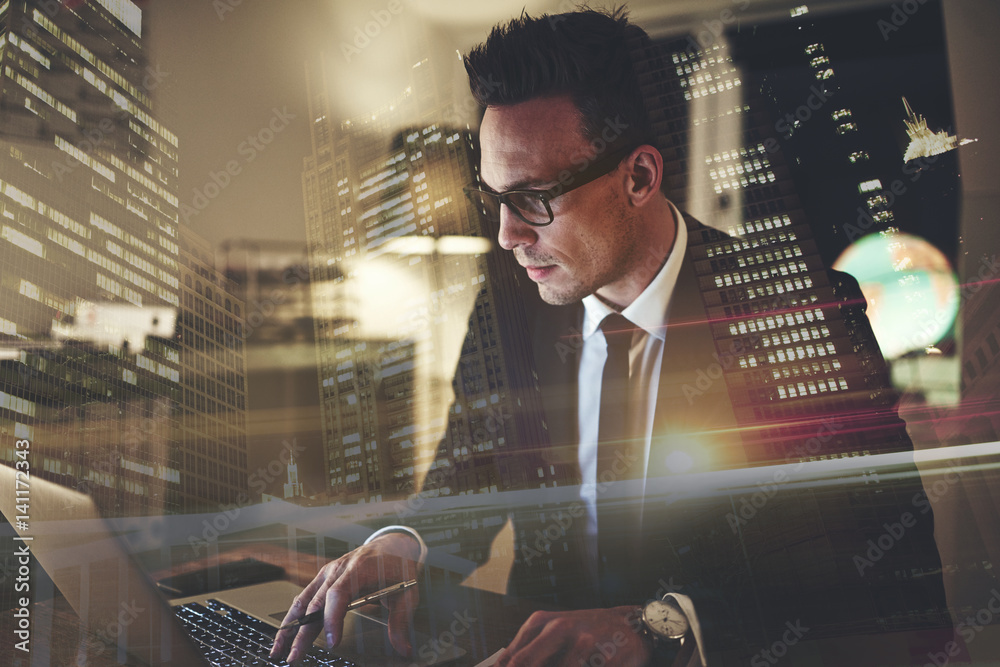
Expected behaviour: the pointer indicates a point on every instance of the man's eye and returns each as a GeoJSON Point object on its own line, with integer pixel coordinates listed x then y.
{"type": "Point", "coordinates": [527, 202]}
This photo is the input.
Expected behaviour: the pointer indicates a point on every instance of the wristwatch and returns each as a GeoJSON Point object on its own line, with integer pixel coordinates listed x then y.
{"type": "Point", "coordinates": [666, 625]}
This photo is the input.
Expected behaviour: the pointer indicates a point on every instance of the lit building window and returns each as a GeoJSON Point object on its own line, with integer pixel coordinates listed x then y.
{"type": "Point", "coordinates": [858, 156]}
{"type": "Point", "coordinates": [824, 74]}
{"type": "Point", "coordinates": [799, 11]}
{"type": "Point", "coordinates": [870, 186]}
{"type": "Point", "coordinates": [841, 113]}
{"type": "Point", "coordinates": [844, 128]}
{"type": "Point", "coordinates": [819, 61]}
{"type": "Point", "coordinates": [814, 49]}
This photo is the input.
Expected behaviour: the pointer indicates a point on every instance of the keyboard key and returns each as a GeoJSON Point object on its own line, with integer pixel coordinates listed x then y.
{"type": "Point", "coordinates": [228, 637]}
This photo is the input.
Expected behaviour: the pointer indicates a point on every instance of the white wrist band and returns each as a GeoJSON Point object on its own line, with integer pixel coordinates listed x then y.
{"type": "Point", "coordinates": [402, 529]}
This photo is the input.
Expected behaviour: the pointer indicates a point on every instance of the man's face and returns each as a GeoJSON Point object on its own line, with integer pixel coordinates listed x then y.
{"type": "Point", "coordinates": [593, 239]}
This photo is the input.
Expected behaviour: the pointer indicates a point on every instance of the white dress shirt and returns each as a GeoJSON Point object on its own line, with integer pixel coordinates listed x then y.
{"type": "Point", "coordinates": [649, 312]}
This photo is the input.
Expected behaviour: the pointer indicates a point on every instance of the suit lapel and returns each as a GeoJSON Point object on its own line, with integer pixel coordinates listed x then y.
{"type": "Point", "coordinates": [558, 343]}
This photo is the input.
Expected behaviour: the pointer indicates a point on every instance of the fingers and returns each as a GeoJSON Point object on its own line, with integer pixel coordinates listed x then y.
{"type": "Point", "coordinates": [307, 634]}
{"type": "Point", "coordinates": [297, 610]}
{"type": "Point", "coordinates": [401, 618]}
{"type": "Point", "coordinates": [577, 638]}
{"type": "Point", "coordinates": [338, 597]}
{"type": "Point", "coordinates": [535, 642]}
{"type": "Point", "coordinates": [547, 648]}
{"type": "Point", "coordinates": [361, 571]}
{"type": "Point", "coordinates": [340, 587]}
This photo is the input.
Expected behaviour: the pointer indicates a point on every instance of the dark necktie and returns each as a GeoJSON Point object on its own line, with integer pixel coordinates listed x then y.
{"type": "Point", "coordinates": [617, 521]}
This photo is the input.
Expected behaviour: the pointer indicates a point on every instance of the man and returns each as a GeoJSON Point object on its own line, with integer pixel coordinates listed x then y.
{"type": "Point", "coordinates": [570, 171]}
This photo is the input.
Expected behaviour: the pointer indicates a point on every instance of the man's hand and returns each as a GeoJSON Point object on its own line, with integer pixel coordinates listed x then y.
{"type": "Point", "coordinates": [574, 638]}
{"type": "Point", "coordinates": [386, 560]}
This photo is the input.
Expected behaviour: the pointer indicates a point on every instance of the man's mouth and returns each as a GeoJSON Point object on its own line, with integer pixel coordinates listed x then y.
{"type": "Point", "coordinates": [538, 273]}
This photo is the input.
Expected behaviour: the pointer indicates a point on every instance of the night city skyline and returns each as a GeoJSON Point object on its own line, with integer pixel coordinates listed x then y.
{"type": "Point", "coordinates": [285, 208]}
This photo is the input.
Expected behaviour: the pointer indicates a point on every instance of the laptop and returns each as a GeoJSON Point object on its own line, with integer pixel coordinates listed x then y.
{"type": "Point", "coordinates": [124, 618]}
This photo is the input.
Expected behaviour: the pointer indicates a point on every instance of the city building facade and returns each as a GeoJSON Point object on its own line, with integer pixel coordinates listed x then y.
{"type": "Point", "coordinates": [399, 260]}
{"type": "Point", "coordinates": [89, 214]}
{"type": "Point", "coordinates": [213, 402]}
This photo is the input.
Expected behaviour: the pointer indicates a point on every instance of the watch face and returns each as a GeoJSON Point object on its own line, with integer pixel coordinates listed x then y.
{"type": "Point", "coordinates": [665, 619]}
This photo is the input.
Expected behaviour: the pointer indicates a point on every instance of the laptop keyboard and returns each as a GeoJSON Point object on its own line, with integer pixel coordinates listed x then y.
{"type": "Point", "coordinates": [228, 637]}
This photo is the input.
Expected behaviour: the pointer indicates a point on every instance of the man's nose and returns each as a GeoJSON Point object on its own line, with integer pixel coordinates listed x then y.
{"type": "Point", "coordinates": [514, 232]}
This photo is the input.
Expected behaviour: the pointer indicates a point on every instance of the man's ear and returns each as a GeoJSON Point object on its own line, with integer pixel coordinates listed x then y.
{"type": "Point", "coordinates": [645, 174]}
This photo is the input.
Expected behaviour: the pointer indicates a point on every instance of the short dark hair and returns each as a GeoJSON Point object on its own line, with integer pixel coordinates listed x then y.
{"type": "Point", "coordinates": [586, 54]}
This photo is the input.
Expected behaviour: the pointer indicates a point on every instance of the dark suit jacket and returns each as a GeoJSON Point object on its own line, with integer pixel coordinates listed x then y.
{"type": "Point", "coordinates": [792, 560]}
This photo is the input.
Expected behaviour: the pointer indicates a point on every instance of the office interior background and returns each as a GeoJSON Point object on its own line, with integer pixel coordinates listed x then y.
{"type": "Point", "coordinates": [239, 272]}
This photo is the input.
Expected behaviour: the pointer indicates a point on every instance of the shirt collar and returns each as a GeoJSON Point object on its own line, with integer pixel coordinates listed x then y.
{"type": "Point", "coordinates": [649, 310]}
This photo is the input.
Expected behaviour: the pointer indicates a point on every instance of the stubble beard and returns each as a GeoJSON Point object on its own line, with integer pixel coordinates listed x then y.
{"type": "Point", "coordinates": [624, 257]}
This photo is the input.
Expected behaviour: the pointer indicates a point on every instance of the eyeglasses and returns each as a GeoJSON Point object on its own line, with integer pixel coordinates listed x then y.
{"type": "Point", "coordinates": [532, 206]}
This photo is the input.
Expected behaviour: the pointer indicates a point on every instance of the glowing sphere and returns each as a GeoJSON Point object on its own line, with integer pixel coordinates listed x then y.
{"type": "Point", "coordinates": [911, 290]}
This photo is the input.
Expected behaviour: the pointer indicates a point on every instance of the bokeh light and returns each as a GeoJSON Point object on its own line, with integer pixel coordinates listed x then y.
{"type": "Point", "coordinates": [910, 287]}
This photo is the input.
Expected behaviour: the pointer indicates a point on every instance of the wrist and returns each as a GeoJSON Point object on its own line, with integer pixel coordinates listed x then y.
{"type": "Point", "coordinates": [648, 645]}
{"type": "Point", "coordinates": [403, 531]}
{"type": "Point", "coordinates": [398, 544]}
{"type": "Point", "coordinates": [665, 630]}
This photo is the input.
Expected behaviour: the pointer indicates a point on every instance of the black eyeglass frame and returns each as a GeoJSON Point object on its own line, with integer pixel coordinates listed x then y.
{"type": "Point", "coordinates": [597, 169]}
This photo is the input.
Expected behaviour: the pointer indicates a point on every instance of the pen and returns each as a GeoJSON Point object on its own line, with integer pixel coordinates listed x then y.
{"type": "Point", "coordinates": [360, 602]}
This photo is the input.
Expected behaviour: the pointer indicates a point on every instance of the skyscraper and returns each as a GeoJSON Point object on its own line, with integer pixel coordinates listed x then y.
{"type": "Point", "coordinates": [213, 403]}
{"type": "Point", "coordinates": [800, 361]}
{"type": "Point", "coordinates": [398, 261]}
{"type": "Point", "coordinates": [88, 211]}
{"type": "Point", "coordinates": [795, 348]}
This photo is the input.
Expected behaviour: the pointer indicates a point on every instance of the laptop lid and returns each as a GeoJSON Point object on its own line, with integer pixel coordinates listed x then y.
{"type": "Point", "coordinates": [120, 612]}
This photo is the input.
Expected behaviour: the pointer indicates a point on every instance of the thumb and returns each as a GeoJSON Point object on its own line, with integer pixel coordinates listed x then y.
{"type": "Point", "coordinates": [401, 608]}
